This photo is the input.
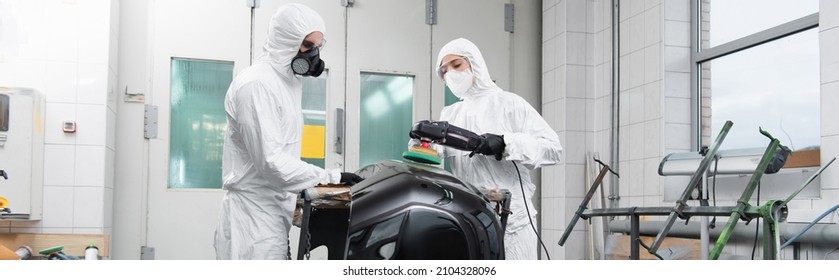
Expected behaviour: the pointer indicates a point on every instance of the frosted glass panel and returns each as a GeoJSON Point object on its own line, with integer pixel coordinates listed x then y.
{"type": "Point", "coordinates": [198, 122]}
{"type": "Point", "coordinates": [314, 119]}
{"type": "Point", "coordinates": [386, 107]}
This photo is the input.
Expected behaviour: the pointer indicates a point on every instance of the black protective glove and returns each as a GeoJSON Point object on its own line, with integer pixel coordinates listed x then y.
{"type": "Point", "coordinates": [491, 145]}
{"type": "Point", "coordinates": [349, 178]}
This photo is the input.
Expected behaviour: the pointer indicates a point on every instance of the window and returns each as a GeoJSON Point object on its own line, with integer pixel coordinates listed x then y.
{"type": "Point", "coordinates": [386, 110]}
{"type": "Point", "coordinates": [314, 120]}
{"type": "Point", "coordinates": [759, 64]}
{"type": "Point", "coordinates": [198, 122]}
{"type": "Point", "coordinates": [733, 19]}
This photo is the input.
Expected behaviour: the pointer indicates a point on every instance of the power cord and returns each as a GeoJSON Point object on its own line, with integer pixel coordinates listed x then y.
{"type": "Point", "coordinates": [713, 223]}
{"type": "Point", "coordinates": [521, 183]}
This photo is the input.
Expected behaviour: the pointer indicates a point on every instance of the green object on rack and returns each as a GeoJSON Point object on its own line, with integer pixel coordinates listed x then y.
{"type": "Point", "coordinates": [51, 250]}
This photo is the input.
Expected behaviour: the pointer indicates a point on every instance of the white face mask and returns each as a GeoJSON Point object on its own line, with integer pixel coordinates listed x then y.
{"type": "Point", "coordinates": [459, 82]}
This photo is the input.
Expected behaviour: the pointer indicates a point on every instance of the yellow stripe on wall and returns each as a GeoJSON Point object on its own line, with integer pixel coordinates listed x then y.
{"type": "Point", "coordinates": [314, 141]}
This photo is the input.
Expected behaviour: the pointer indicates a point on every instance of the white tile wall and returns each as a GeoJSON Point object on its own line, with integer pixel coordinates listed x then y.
{"type": "Point", "coordinates": [652, 65]}
{"type": "Point", "coordinates": [62, 81]}
{"type": "Point", "coordinates": [636, 105]}
{"type": "Point", "coordinates": [548, 24]}
{"type": "Point", "coordinates": [829, 55]}
{"type": "Point", "coordinates": [623, 45]}
{"type": "Point", "coordinates": [677, 136]}
{"type": "Point", "coordinates": [574, 147]}
{"type": "Point", "coordinates": [636, 178]}
{"type": "Point", "coordinates": [59, 165]}
{"type": "Point", "coordinates": [576, 21]}
{"type": "Point", "coordinates": [58, 207]}
{"type": "Point", "coordinates": [652, 136]}
{"type": "Point", "coordinates": [829, 150]}
{"type": "Point", "coordinates": [829, 100]}
{"type": "Point", "coordinates": [110, 135]}
{"type": "Point", "coordinates": [828, 8]}
{"type": "Point", "coordinates": [561, 22]}
{"type": "Point", "coordinates": [90, 166]}
{"type": "Point", "coordinates": [677, 84]}
{"type": "Point", "coordinates": [576, 48]}
{"type": "Point", "coordinates": [73, 74]}
{"type": "Point", "coordinates": [652, 100]}
{"type": "Point", "coordinates": [576, 114]}
{"type": "Point", "coordinates": [830, 72]}
{"type": "Point", "coordinates": [549, 55]}
{"type": "Point", "coordinates": [677, 110]}
{"type": "Point", "coordinates": [88, 207]}
{"type": "Point", "coordinates": [652, 181]}
{"type": "Point", "coordinates": [636, 33]}
{"type": "Point", "coordinates": [551, 175]}
{"type": "Point", "coordinates": [576, 81]}
{"type": "Point", "coordinates": [560, 79]}
{"type": "Point", "coordinates": [677, 10]}
{"type": "Point", "coordinates": [677, 33]}
{"type": "Point", "coordinates": [63, 21]}
{"type": "Point", "coordinates": [636, 68]}
{"type": "Point", "coordinates": [623, 79]}
{"type": "Point", "coordinates": [575, 181]}
{"type": "Point", "coordinates": [92, 83]}
{"type": "Point", "coordinates": [676, 59]}
{"type": "Point", "coordinates": [55, 115]}
{"type": "Point", "coordinates": [652, 25]}
{"type": "Point", "coordinates": [94, 32]}
{"type": "Point", "coordinates": [561, 49]}
{"type": "Point", "coordinates": [636, 141]}
{"type": "Point", "coordinates": [91, 124]}
{"type": "Point", "coordinates": [109, 168]}
{"type": "Point", "coordinates": [15, 72]}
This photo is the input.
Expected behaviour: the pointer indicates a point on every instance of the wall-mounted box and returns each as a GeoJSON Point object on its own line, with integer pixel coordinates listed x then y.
{"type": "Point", "coordinates": [22, 153]}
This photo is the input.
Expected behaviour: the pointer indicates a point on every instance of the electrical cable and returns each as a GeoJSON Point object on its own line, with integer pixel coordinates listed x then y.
{"type": "Point", "coordinates": [713, 223]}
{"type": "Point", "coordinates": [521, 183]}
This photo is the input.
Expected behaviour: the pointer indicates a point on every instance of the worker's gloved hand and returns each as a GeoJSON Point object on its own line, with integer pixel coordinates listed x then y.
{"type": "Point", "coordinates": [349, 178]}
{"type": "Point", "coordinates": [491, 145]}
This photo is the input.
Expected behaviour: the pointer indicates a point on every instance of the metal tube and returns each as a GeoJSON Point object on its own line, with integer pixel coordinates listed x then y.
{"type": "Point", "coordinates": [817, 234]}
{"type": "Point", "coordinates": [614, 193]}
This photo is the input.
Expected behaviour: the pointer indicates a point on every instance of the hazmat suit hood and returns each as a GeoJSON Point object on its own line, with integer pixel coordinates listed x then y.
{"type": "Point", "coordinates": [289, 26]}
{"type": "Point", "coordinates": [465, 48]}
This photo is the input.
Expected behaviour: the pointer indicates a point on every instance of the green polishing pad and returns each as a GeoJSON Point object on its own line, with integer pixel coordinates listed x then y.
{"type": "Point", "coordinates": [421, 158]}
{"type": "Point", "coordinates": [51, 250]}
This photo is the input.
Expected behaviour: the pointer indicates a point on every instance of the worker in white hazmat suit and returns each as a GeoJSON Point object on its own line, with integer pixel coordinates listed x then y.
{"type": "Point", "coordinates": [516, 140]}
{"type": "Point", "coordinates": [261, 167]}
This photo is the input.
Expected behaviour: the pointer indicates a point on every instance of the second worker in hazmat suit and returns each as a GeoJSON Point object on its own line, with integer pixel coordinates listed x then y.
{"type": "Point", "coordinates": [262, 171]}
{"type": "Point", "coordinates": [516, 140]}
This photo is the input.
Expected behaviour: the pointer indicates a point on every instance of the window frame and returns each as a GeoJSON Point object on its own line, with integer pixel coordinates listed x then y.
{"type": "Point", "coordinates": [699, 55]}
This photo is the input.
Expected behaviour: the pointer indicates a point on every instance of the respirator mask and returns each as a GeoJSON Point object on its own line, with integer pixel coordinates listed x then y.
{"type": "Point", "coordinates": [308, 63]}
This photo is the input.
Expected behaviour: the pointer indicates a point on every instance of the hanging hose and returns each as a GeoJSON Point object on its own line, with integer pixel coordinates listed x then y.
{"type": "Point", "coordinates": [794, 237]}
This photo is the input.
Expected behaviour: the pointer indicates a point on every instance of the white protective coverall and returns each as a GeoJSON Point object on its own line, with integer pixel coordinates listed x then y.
{"type": "Point", "coordinates": [530, 142]}
{"type": "Point", "coordinates": [261, 167]}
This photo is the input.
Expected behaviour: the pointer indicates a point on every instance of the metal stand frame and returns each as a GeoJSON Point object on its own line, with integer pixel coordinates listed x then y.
{"type": "Point", "coordinates": [772, 212]}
